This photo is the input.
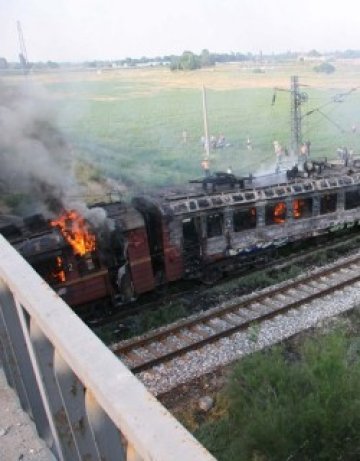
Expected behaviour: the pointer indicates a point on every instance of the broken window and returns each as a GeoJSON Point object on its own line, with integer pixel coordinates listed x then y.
{"type": "Point", "coordinates": [328, 203]}
{"type": "Point", "coordinates": [51, 269]}
{"type": "Point", "coordinates": [87, 264]}
{"type": "Point", "coordinates": [275, 213]}
{"type": "Point", "coordinates": [214, 225]}
{"type": "Point", "coordinates": [302, 208]}
{"type": "Point", "coordinates": [190, 232]}
{"type": "Point", "coordinates": [352, 199]}
{"type": "Point", "coordinates": [244, 219]}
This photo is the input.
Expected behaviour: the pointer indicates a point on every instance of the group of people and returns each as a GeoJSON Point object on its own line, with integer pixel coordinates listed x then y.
{"type": "Point", "coordinates": [216, 142]}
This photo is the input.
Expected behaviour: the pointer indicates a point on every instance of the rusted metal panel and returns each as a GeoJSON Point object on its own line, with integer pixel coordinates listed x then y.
{"type": "Point", "coordinates": [140, 261]}
{"type": "Point", "coordinates": [86, 289]}
{"type": "Point", "coordinates": [174, 267]}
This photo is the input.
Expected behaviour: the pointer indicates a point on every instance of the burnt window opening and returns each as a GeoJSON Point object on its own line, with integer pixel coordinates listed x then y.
{"type": "Point", "coordinates": [275, 213]}
{"type": "Point", "coordinates": [302, 208]}
{"type": "Point", "coordinates": [328, 203]}
{"type": "Point", "coordinates": [238, 198]}
{"type": "Point", "coordinates": [203, 203]}
{"type": "Point", "coordinates": [87, 264]}
{"type": "Point", "coordinates": [217, 201]}
{"type": "Point", "coordinates": [269, 193]}
{"type": "Point", "coordinates": [51, 269]}
{"type": "Point", "coordinates": [180, 208]}
{"type": "Point", "coordinates": [214, 225]}
{"type": "Point", "coordinates": [249, 195]}
{"type": "Point", "coordinates": [244, 219]}
{"type": "Point", "coordinates": [352, 199]}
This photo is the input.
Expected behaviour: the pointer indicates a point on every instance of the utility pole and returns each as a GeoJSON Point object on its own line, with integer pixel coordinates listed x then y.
{"type": "Point", "coordinates": [295, 115]}
{"type": "Point", "coordinates": [23, 54]}
{"type": "Point", "coordinates": [206, 131]}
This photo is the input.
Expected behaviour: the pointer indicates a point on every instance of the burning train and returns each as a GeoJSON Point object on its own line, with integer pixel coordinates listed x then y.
{"type": "Point", "coordinates": [195, 234]}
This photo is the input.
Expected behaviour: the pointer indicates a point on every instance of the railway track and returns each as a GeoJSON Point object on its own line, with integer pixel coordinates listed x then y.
{"type": "Point", "coordinates": [131, 310]}
{"type": "Point", "coordinates": [159, 348]}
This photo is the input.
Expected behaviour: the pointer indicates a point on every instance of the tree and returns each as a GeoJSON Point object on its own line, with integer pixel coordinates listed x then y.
{"type": "Point", "coordinates": [3, 63]}
{"type": "Point", "coordinates": [206, 59]}
{"type": "Point", "coordinates": [189, 61]}
{"type": "Point", "coordinates": [325, 67]}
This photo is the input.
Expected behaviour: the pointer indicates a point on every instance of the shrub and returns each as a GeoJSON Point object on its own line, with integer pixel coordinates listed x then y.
{"type": "Point", "coordinates": [325, 68]}
{"type": "Point", "coordinates": [299, 406]}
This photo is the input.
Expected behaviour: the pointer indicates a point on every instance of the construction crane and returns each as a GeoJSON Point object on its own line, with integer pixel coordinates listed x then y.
{"type": "Point", "coordinates": [23, 54]}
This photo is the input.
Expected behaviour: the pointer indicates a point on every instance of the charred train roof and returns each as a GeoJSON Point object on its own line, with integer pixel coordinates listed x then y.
{"type": "Point", "coordinates": [50, 242]}
{"type": "Point", "coordinates": [125, 216]}
{"type": "Point", "coordinates": [259, 190]}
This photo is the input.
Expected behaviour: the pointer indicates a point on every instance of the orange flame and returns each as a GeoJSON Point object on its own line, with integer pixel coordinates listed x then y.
{"type": "Point", "coordinates": [279, 212]}
{"type": "Point", "coordinates": [59, 273]}
{"type": "Point", "coordinates": [297, 208]}
{"type": "Point", "coordinates": [75, 231]}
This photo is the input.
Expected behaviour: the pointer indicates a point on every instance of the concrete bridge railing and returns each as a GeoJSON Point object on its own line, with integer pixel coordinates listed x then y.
{"type": "Point", "coordinates": [85, 403]}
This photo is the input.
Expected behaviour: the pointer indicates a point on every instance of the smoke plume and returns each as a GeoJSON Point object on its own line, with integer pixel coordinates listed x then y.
{"type": "Point", "coordinates": [36, 163]}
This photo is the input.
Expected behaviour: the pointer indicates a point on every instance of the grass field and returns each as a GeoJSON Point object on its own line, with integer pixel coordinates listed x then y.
{"type": "Point", "coordinates": [129, 122]}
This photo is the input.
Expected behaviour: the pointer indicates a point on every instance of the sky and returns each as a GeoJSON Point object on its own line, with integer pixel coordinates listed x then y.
{"type": "Point", "coordinates": [79, 30]}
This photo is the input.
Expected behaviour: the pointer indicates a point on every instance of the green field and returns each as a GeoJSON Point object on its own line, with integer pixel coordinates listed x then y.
{"type": "Point", "coordinates": [129, 122]}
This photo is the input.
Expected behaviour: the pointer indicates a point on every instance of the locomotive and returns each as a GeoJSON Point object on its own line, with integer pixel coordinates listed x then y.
{"type": "Point", "coordinates": [195, 234]}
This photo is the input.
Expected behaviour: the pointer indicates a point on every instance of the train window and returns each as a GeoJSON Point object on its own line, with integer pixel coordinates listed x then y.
{"type": "Point", "coordinates": [275, 213]}
{"type": "Point", "coordinates": [280, 191]}
{"type": "Point", "coordinates": [214, 225]}
{"type": "Point", "coordinates": [324, 183]}
{"type": "Point", "coordinates": [328, 203]}
{"type": "Point", "coordinates": [238, 198]}
{"type": "Point", "coordinates": [352, 199]}
{"type": "Point", "coordinates": [347, 180]}
{"type": "Point", "coordinates": [269, 193]}
{"type": "Point", "coordinates": [181, 207]}
{"type": "Point", "coordinates": [302, 208]}
{"type": "Point", "coordinates": [297, 188]}
{"type": "Point", "coordinates": [87, 264]}
{"type": "Point", "coordinates": [192, 205]}
{"type": "Point", "coordinates": [249, 195]}
{"type": "Point", "coordinates": [51, 269]}
{"type": "Point", "coordinates": [333, 182]}
{"type": "Point", "coordinates": [308, 186]}
{"type": "Point", "coordinates": [216, 201]}
{"type": "Point", "coordinates": [244, 219]}
{"type": "Point", "coordinates": [203, 203]}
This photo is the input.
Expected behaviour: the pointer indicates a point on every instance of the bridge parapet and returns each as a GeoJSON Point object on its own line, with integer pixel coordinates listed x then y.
{"type": "Point", "coordinates": [85, 403]}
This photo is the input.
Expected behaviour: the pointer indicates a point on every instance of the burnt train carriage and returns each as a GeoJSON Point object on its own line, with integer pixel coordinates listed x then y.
{"type": "Point", "coordinates": [79, 279]}
{"type": "Point", "coordinates": [126, 250]}
{"type": "Point", "coordinates": [157, 240]}
{"type": "Point", "coordinates": [205, 235]}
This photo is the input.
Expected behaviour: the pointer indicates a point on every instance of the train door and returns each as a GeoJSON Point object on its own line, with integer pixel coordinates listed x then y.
{"type": "Point", "coordinates": [153, 224]}
{"type": "Point", "coordinates": [191, 241]}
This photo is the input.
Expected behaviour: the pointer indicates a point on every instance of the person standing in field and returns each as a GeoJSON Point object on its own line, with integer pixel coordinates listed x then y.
{"type": "Point", "coordinates": [205, 166]}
